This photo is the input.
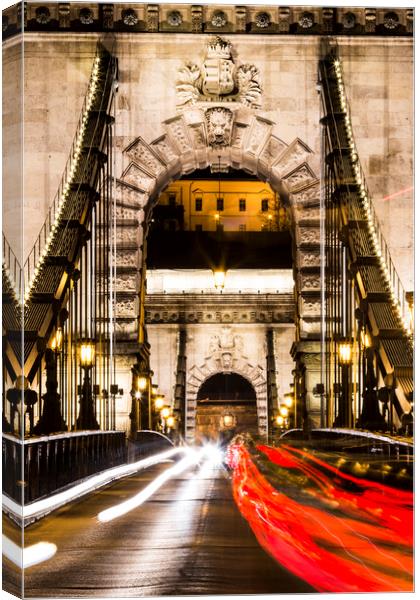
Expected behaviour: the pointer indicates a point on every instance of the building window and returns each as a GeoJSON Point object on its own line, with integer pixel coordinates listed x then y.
{"type": "Point", "coordinates": [199, 227]}
{"type": "Point", "coordinates": [264, 205]}
{"type": "Point", "coordinates": [220, 204]}
{"type": "Point", "coordinates": [199, 204]}
{"type": "Point", "coordinates": [172, 199]}
{"type": "Point", "coordinates": [242, 227]}
{"type": "Point", "coordinates": [242, 204]}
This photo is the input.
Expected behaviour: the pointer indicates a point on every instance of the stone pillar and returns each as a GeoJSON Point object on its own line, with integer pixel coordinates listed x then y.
{"type": "Point", "coordinates": [181, 367]}
{"type": "Point", "coordinates": [272, 392]}
{"type": "Point", "coordinates": [307, 355]}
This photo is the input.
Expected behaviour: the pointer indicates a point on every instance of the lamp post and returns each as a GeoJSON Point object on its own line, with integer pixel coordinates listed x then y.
{"type": "Point", "coordinates": [344, 417]}
{"type": "Point", "coordinates": [86, 418]}
{"type": "Point", "coordinates": [51, 420]}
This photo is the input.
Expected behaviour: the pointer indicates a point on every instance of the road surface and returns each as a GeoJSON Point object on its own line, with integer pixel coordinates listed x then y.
{"type": "Point", "coordinates": [187, 539]}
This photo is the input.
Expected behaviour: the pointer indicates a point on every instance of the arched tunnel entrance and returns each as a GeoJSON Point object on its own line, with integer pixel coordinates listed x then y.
{"type": "Point", "coordinates": [226, 405]}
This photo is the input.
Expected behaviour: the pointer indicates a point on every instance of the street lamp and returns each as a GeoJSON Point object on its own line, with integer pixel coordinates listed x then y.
{"type": "Point", "coordinates": [165, 412]}
{"type": "Point", "coordinates": [86, 418]}
{"type": "Point", "coordinates": [344, 417]}
{"type": "Point", "coordinates": [284, 411]}
{"type": "Point", "coordinates": [51, 420]}
{"type": "Point", "coordinates": [219, 278]}
{"type": "Point", "coordinates": [280, 421]}
{"type": "Point", "coordinates": [288, 400]}
{"type": "Point", "coordinates": [159, 402]}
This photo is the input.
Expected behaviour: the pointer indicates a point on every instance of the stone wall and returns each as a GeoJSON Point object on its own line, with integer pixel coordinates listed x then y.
{"type": "Point", "coordinates": [378, 76]}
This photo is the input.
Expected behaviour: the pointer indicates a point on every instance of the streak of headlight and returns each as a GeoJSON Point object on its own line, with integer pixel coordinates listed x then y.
{"type": "Point", "coordinates": [400, 193]}
{"type": "Point", "coordinates": [214, 455]}
{"type": "Point", "coordinates": [27, 557]}
{"type": "Point", "coordinates": [53, 502]}
{"type": "Point", "coordinates": [121, 509]}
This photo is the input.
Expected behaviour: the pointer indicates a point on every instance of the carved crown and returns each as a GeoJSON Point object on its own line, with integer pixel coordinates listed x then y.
{"type": "Point", "coordinates": [217, 47]}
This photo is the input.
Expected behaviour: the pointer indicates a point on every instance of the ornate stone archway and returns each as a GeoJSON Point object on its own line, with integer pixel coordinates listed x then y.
{"type": "Point", "coordinates": [226, 354]}
{"type": "Point", "coordinates": [250, 144]}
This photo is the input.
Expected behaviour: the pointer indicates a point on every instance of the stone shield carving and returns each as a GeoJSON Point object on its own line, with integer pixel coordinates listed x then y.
{"type": "Point", "coordinates": [218, 78]}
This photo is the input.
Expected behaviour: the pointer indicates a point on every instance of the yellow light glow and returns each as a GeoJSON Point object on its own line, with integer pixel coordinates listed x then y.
{"type": "Point", "coordinates": [365, 339]}
{"type": "Point", "coordinates": [159, 402]}
{"type": "Point", "coordinates": [288, 400]}
{"type": "Point", "coordinates": [217, 216]}
{"type": "Point", "coordinates": [228, 421]}
{"type": "Point", "coordinates": [284, 411]}
{"type": "Point", "coordinates": [165, 412]}
{"type": "Point", "coordinates": [87, 354]}
{"type": "Point", "coordinates": [170, 421]}
{"type": "Point", "coordinates": [57, 341]}
{"type": "Point", "coordinates": [219, 278]}
{"type": "Point", "coordinates": [279, 420]}
{"type": "Point", "coordinates": [142, 383]}
{"type": "Point", "coordinates": [344, 353]}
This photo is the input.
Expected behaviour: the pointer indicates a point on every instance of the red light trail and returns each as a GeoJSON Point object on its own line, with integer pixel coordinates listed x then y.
{"type": "Point", "coordinates": [338, 532]}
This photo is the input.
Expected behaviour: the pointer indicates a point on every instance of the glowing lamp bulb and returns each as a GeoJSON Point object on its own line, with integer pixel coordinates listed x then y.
{"type": "Point", "coordinates": [170, 421]}
{"type": "Point", "coordinates": [219, 278]}
{"type": "Point", "coordinates": [87, 354]}
{"type": "Point", "coordinates": [142, 383]}
{"type": "Point", "coordinates": [165, 412]}
{"type": "Point", "coordinates": [288, 400]}
{"type": "Point", "coordinates": [284, 411]}
{"type": "Point", "coordinates": [159, 403]}
{"type": "Point", "coordinates": [279, 420]}
{"type": "Point", "coordinates": [344, 353]}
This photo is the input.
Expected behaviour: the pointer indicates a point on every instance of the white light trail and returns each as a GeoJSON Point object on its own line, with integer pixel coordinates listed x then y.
{"type": "Point", "coordinates": [46, 505]}
{"type": "Point", "coordinates": [192, 458]}
{"type": "Point", "coordinates": [27, 557]}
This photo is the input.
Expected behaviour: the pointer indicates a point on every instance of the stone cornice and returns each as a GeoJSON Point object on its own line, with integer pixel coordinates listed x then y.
{"type": "Point", "coordinates": [223, 308]}
{"type": "Point", "coordinates": [80, 17]}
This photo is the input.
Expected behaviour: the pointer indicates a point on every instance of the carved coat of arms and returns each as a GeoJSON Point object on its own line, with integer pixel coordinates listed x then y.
{"type": "Point", "coordinates": [218, 78]}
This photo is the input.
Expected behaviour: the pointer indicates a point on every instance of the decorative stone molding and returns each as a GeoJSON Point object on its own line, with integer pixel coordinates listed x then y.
{"type": "Point", "coordinates": [349, 20]}
{"type": "Point", "coordinates": [148, 18]}
{"type": "Point", "coordinates": [174, 18]}
{"type": "Point", "coordinates": [152, 17]}
{"type": "Point", "coordinates": [262, 20]}
{"type": "Point", "coordinates": [196, 19]}
{"type": "Point", "coordinates": [108, 16]}
{"type": "Point", "coordinates": [240, 19]}
{"type": "Point", "coordinates": [86, 16]}
{"type": "Point", "coordinates": [370, 20]}
{"type": "Point", "coordinates": [218, 19]}
{"type": "Point", "coordinates": [391, 20]}
{"type": "Point", "coordinates": [308, 236]}
{"type": "Point", "coordinates": [42, 15]}
{"type": "Point", "coordinates": [306, 20]}
{"type": "Point", "coordinates": [218, 78]}
{"type": "Point", "coordinates": [129, 17]}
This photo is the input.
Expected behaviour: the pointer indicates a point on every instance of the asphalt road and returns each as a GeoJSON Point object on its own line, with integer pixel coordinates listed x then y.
{"type": "Point", "coordinates": [187, 539]}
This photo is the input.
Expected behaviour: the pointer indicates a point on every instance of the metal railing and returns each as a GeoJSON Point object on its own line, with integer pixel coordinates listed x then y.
{"type": "Point", "coordinates": [50, 223]}
{"type": "Point", "coordinates": [395, 284]}
{"type": "Point", "coordinates": [52, 462]}
{"type": "Point", "coordinates": [12, 268]}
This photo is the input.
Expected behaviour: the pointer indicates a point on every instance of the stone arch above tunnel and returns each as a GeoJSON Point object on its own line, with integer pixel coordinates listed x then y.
{"type": "Point", "coordinates": [245, 140]}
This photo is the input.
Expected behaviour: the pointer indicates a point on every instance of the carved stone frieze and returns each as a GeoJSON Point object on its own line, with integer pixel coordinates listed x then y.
{"type": "Point", "coordinates": [219, 122]}
{"type": "Point", "coordinates": [126, 235]}
{"type": "Point", "coordinates": [272, 150]}
{"type": "Point", "coordinates": [309, 259]}
{"type": "Point", "coordinates": [258, 133]}
{"type": "Point", "coordinates": [138, 177]}
{"type": "Point", "coordinates": [152, 17]}
{"type": "Point", "coordinates": [178, 132]}
{"type": "Point", "coordinates": [196, 19]}
{"type": "Point", "coordinates": [126, 308]}
{"type": "Point", "coordinates": [130, 195]}
{"type": "Point", "coordinates": [310, 308]}
{"type": "Point", "coordinates": [165, 149]}
{"type": "Point", "coordinates": [218, 78]}
{"type": "Point", "coordinates": [299, 178]}
{"type": "Point", "coordinates": [310, 283]}
{"type": "Point", "coordinates": [140, 152]}
{"type": "Point", "coordinates": [308, 236]}
{"type": "Point", "coordinates": [240, 18]}
{"type": "Point", "coordinates": [295, 155]}
{"type": "Point", "coordinates": [308, 196]}
{"type": "Point", "coordinates": [127, 258]}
